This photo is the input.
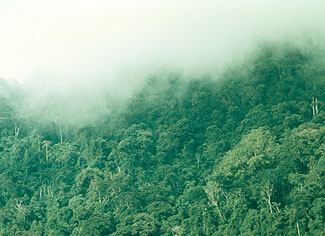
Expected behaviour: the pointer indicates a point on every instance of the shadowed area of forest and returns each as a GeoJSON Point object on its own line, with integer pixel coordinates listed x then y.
{"type": "Point", "coordinates": [243, 154]}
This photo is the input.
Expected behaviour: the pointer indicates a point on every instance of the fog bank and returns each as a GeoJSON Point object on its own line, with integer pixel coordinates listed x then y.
{"type": "Point", "coordinates": [73, 55]}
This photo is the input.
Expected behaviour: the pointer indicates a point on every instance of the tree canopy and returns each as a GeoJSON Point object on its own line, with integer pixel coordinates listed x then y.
{"type": "Point", "coordinates": [243, 154]}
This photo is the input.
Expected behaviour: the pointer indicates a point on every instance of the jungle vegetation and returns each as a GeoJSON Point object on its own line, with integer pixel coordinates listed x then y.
{"type": "Point", "coordinates": [243, 154]}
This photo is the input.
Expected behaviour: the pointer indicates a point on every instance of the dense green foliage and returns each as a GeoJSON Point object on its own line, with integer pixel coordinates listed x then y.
{"type": "Point", "coordinates": [240, 155]}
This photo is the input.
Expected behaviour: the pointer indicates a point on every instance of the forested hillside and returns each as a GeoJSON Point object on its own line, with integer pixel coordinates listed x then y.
{"type": "Point", "coordinates": [241, 154]}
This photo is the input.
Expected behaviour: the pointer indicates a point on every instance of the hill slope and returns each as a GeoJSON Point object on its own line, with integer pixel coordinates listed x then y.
{"type": "Point", "coordinates": [240, 155]}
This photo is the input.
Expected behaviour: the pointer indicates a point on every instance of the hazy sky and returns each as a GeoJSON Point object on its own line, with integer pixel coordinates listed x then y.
{"type": "Point", "coordinates": [79, 38]}
{"type": "Point", "coordinates": [70, 51]}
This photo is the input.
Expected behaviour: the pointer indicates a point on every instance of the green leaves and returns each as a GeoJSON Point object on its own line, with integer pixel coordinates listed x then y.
{"type": "Point", "coordinates": [241, 155]}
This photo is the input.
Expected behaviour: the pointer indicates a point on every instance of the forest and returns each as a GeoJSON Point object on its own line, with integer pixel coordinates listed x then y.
{"type": "Point", "coordinates": [240, 154]}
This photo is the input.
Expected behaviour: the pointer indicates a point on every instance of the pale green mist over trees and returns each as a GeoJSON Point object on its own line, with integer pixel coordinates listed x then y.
{"type": "Point", "coordinates": [242, 154]}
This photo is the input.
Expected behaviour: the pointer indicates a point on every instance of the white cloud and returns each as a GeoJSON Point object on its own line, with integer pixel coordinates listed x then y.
{"type": "Point", "coordinates": [81, 37]}
{"type": "Point", "coordinates": [65, 45]}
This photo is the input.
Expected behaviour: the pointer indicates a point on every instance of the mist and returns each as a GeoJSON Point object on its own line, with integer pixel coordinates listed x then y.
{"type": "Point", "coordinates": [74, 58]}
